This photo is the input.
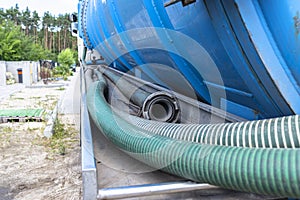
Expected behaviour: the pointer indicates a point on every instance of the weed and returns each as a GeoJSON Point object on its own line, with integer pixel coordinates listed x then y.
{"type": "Point", "coordinates": [48, 96]}
{"type": "Point", "coordinates": [47, 105]}
{"type": "Point", "coordinates": [59, 130]}
{"type": "Point", "coordinates": [52, 105]}
{"type": "Point", "coordinates": [62, 150]}
{"type": "Point", "coordinates": [5, 136]}
{"type": "Point", "coordinates": [7, 129]}
{"type": "Point", "coordinates": [31, 130]}
{"type": "Point", "coordinates": [39, 103]}
{"type": "Point", "coordinates": [62, 139]}
{"type": "Point", "coordinates": [61, 88]}
{"type": "Point", "coordinates": [17, 98]}
{"type": "Point", "coordinates": [7, 140]}
{"type": "Point", "coordinates": [35, 97]}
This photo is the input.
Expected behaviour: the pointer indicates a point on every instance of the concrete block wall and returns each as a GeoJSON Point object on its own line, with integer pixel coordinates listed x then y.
{"type": "Point", "coordinates": [2, 73]}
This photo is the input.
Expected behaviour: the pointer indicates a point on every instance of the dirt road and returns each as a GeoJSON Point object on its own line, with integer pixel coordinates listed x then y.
{"type": "Point", "coordinates": [31, 165]}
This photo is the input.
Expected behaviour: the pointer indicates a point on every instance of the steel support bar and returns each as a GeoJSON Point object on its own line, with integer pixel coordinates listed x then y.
{"type": "Point", "coordinates": [151, 189]}
{"type": "Point", "coordinates": [89, 173]}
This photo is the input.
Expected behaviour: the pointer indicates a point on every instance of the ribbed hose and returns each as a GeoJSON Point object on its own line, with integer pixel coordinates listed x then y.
{"type": "Point", "coordinates": [263, 171]}
{"type": "Point", "coordinates": [269, 133]}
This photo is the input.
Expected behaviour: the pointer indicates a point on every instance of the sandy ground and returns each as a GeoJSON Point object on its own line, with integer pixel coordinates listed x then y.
{"type": "Point", "coordinates": [35, 167]}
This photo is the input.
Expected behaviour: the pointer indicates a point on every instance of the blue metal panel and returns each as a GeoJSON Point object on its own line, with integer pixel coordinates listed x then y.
{"type": "Point", "coordinates": [161, 20]}
{"type": "Point", "coordinates": [238, 109]}
{"type": "Point", "coordinates": [101, 31]}
{"type": "Point", "coordinates": [283, 20]}
{"type": "Point", "coordinates": [251, 32]}
{"type": "Point", "coordinates": [254, 42]}
{"type": "Point", "coordinates": [231, 49]}
{"type": "Point", "coordinates": [123, 41]}
{"type": "Point", "coordinates": [235, 38]}
{"type": "Point", "coordinates": [196, 15]}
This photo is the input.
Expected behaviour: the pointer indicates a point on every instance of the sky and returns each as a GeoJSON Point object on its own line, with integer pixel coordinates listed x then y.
{"type": "Point", "coordinates": [55, 7]}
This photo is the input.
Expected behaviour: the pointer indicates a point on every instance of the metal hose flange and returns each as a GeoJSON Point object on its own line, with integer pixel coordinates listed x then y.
{"type": "Point", "coordinates": [264, 171]}
{"type": "Point", "coordinates": [161, 106]}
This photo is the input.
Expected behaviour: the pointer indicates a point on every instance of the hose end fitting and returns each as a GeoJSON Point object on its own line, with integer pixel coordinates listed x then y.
{"type": "Point", "coordinates": [161, 106]}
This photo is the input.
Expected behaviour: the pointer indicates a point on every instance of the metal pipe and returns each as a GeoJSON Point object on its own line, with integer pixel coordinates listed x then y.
{"type": "Point", "coordinates": [136, 94]}
{"type": "Point", "coordinates": [155, 105]}
{"type": "Point", "coordinates": [188, 106]}
{"type": "Point", "coordinates": [150, 189]}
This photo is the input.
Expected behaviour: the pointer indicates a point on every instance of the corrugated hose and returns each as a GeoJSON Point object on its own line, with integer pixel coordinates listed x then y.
{"type": "Point", "coordinates": [268, 171]}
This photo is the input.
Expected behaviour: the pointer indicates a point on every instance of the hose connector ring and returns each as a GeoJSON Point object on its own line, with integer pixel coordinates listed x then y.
{"type": "Point", "coordinates": [161, 106]}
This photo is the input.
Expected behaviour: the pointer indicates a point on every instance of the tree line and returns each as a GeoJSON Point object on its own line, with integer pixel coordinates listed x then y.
{"type": "Point", "coordinates": [24, 35]}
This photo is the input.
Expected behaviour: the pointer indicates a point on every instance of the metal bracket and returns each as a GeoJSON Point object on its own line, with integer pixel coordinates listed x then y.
{"type": "Point", "coordinates": [184, 2]}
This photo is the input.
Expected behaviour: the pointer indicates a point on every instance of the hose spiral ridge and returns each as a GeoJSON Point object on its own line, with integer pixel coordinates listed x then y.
{"type": "Point", "coordinates": [268, 133]}
{"type": "Point", "coordinates": [268, 171]}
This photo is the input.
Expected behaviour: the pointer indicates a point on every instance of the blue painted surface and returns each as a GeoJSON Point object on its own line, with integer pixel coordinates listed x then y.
{"type": "Point", "coordinates": [283, 19]}
{"type": "Point", "coordinates": [238, 109]}
{"type": "Point", "coordinates": [247, 52]}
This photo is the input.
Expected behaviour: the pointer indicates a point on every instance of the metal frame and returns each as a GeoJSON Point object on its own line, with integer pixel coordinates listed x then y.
{"type": "Point", "coordinates": [89, 172]}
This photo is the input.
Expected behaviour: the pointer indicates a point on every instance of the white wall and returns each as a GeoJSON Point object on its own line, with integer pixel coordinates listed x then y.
{"type": "Point", "coordinates": [29, 71]}
{"type": "Point", "coordinates": [35, 72]}
{"type": "Point", "coordinates": [2, 73]}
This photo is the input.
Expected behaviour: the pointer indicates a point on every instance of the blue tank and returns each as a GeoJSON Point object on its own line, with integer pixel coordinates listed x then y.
{"type": "Point", "coordinates": [241, 56]}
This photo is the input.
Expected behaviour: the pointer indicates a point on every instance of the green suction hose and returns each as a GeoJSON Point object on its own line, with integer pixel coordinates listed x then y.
{"type": "Point", "coordinates": [263, 171]}
{"type": "Point", "coordinates": [269, 133]}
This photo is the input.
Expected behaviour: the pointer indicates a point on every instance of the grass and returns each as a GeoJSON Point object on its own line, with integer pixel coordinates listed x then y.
{"type": "Point", "coordinates": [49, 104]}
{"type": "Point", "coordinates": [5, 140]}
{"type": "Point", "coordinates": [5, 135]}
{"type": "Point", "coordinates": [6, 129]}
{"type": "Point", "coordinates": [35, 97]}
{"type": "Point", "coordinates": [50, 97]}
{"type": "Point", "coordinates": [64, 136]}
{"type": "Point", "coordinates": [62, 139]}
{"type": "Point", "coordinates": [52, 105]}
{"type": "Point", "coordinates": [17, 98]}
{"type": "Point", "coordinates": [31, 130]}
{"type": "Point", "coordinates": [61, 88]}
